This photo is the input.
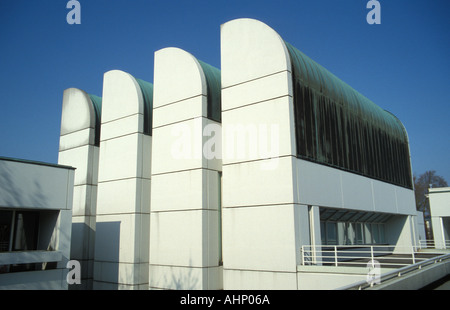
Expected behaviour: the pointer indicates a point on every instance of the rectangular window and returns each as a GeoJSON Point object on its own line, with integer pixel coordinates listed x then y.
{"type": "Point", "coordinates": [359, 233]}
{"type": "Point", "coordinates": [382, 235]}
{"type": "Point", "coordinates": [25, 231]}
{"type": "Point", "coordinates": [323, 233]}
{"type": "Point", "coordinates": [375, 234]}
{"type": "Point", "coordinates": [331, 233]}
{"type": "Point", "coordinates": [5, 230]}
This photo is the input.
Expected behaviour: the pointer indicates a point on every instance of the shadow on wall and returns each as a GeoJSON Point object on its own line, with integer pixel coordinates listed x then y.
{"type": "Point", "coordinates": [82, 250]}
{"type": "Point", "coordinates": [107, 247]}
{"type": "Point", "coordinates": [177, 278]}
{"type": "Point", "coordinates": [12, 193]}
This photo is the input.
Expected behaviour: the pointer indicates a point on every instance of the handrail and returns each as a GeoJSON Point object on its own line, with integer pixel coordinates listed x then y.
{"type": "Point", "coordinates": [340, 255]}
{"type": "Point", "coordinates": [395, 273]}
{"type": "Point", "coordinates": [427, 243]}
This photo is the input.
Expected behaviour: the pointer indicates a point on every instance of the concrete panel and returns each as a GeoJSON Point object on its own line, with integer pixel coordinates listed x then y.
{"type": "Point", "coordinates": [122, 127]}
{"type": "Point", "coordinates": [122, 96]}
{"type": "Point", "coordinates": [178, 77]}
{"type": "Point", "coordinates": [259, 280]}
{"type": "Point", "coordinates": [182, 278]}
{"type": "Point", "coordinates": [85, 160]}
{"type": "Point", "coordinates": [179, 146]}
{"type": "Point", "coordinates": [439, 201]}
{"type": "Point", "coordinates": [121, 196]}
{"type": "Point", "coordinates": [258, 131]}
{"type": "Point", "coordinates": [252, 183]}
{"type": "Point", "coordinates": [384, 197]}
{"type": "Point", "coordinates": [121, 158]}
{"type": "Point", "coordinates": [259, 238]}
{"type": "Point", "coordinates": [186, 238]}
{"type": "Point", "coordinates": [406, 202]}
{"type": "Point", "coordinates": [76, 139]}
{"type": "Point", "coordinates": [113, 235]}
{"type": "Point", "coordinates": [34, 186]}
{"type": "Point", "coordinates": [357, 192]}
{"type": "Point", "coordinates": [177, 191]}
{"type": "Point", "coordinates": [179, 111]}
{"type": "Point", "coordinates": [317, 185]}
{"type": "Point", "coordinates": [250, 50]}
{"type": "Point", "coordinates": [328, 281]}
{"type": "Point", "coordinates": [77, 111]}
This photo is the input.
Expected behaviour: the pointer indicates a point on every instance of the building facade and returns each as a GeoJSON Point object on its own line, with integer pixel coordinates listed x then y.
{"type": "Point", "coordinates": [215, 179]}
{"type": "Point", "coordinates": [35, 224]}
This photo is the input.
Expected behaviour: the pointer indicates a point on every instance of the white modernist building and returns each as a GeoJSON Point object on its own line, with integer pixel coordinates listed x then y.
{"type": "Point", "coordinates": [216, 179]}
{"type": "Point", "coordinates": [35, 231]}
{"type": "Point", "coordinates": [340, 173]}
{"type": "Point", "coordinates": [439, 199]}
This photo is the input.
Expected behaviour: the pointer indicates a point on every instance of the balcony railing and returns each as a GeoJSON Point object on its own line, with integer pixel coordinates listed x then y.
{"type": "Point", "coordinates": [387, 256]}
{"type": "Point", "coordinates": [21, 258]}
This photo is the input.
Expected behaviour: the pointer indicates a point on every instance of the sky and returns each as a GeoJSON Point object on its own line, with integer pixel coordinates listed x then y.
{"type": "Point", "coordinates": [402, 64]}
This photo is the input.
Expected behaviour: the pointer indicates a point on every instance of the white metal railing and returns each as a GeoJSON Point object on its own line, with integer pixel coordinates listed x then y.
{"type": "Point", "coordinates": [395, 274]}
{"type": "Point", "coordinates": [434, 245]}
{"type": "Point", "coordinates": [388, 256]}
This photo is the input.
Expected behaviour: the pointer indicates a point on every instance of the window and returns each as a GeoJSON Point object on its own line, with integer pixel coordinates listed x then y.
{"type": "Point", "coordinates": [5, 230]}
{"type": "Point", "coordinates": [338, 127]}
{"type": "Point", "coordinates": [375, 233]}
{"type": "Point", "coordinates": [331, 233]}
{"type": "Point", "coordinates": [18, 230]}
{"type": "Point", "coordinates": [349, 227]}
{"type": "Point", "coordinates": [25, 231]}
{"type": "Point", "coordinates": [359, 233]}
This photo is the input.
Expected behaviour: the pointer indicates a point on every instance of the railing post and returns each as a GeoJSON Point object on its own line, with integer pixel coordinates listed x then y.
{"type": "Point", "coordinates": [303, 255]}
{"type": "Point", "coordinates": [335, 256]}
{"type": "Point", "coordinates": [413, 256]}
{"type": "Point", "coordinates": [371, 254]}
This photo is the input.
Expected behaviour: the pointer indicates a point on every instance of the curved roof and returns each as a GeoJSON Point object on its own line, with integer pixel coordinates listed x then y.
{"type": "Point", "coordinates": [213, 82]}
{"type": "Point", "coordinates": [147, 94]}
{"type": "Point", "coordinates": [313, 75]}
{"type": "Point", "coordinates": [97, 103]}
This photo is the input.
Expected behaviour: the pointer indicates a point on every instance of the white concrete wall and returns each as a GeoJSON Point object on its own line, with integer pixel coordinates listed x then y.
{"type": "Point", "coordinates": [260, 235]}
{"type": "Point", "coordinates": [349, 191]}
{"type": "Point", "coordinates": [440, 213]}
{"type": "Point", "coordinates": [77, 148]}
{"type": "Point", "coordinates": [47, 189]}
{"type": "Point", "coordinates": [30, 185]}
{"type": "Point", "coordinates": [123, 198]}
{"type": "Point", "coordinates": [440, 201]}
{"type": "Point", "coordinates": [185, 206]}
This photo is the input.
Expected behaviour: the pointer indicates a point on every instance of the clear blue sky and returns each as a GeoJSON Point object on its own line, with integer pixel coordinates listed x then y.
{"type": "Point", "coordinates": [403, 65]}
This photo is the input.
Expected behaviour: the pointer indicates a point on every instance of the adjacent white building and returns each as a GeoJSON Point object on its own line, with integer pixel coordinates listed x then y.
{"type": "Point", "coordinates": [439, 199]}
{"type": "Point", "coordinates": [35, 224]}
